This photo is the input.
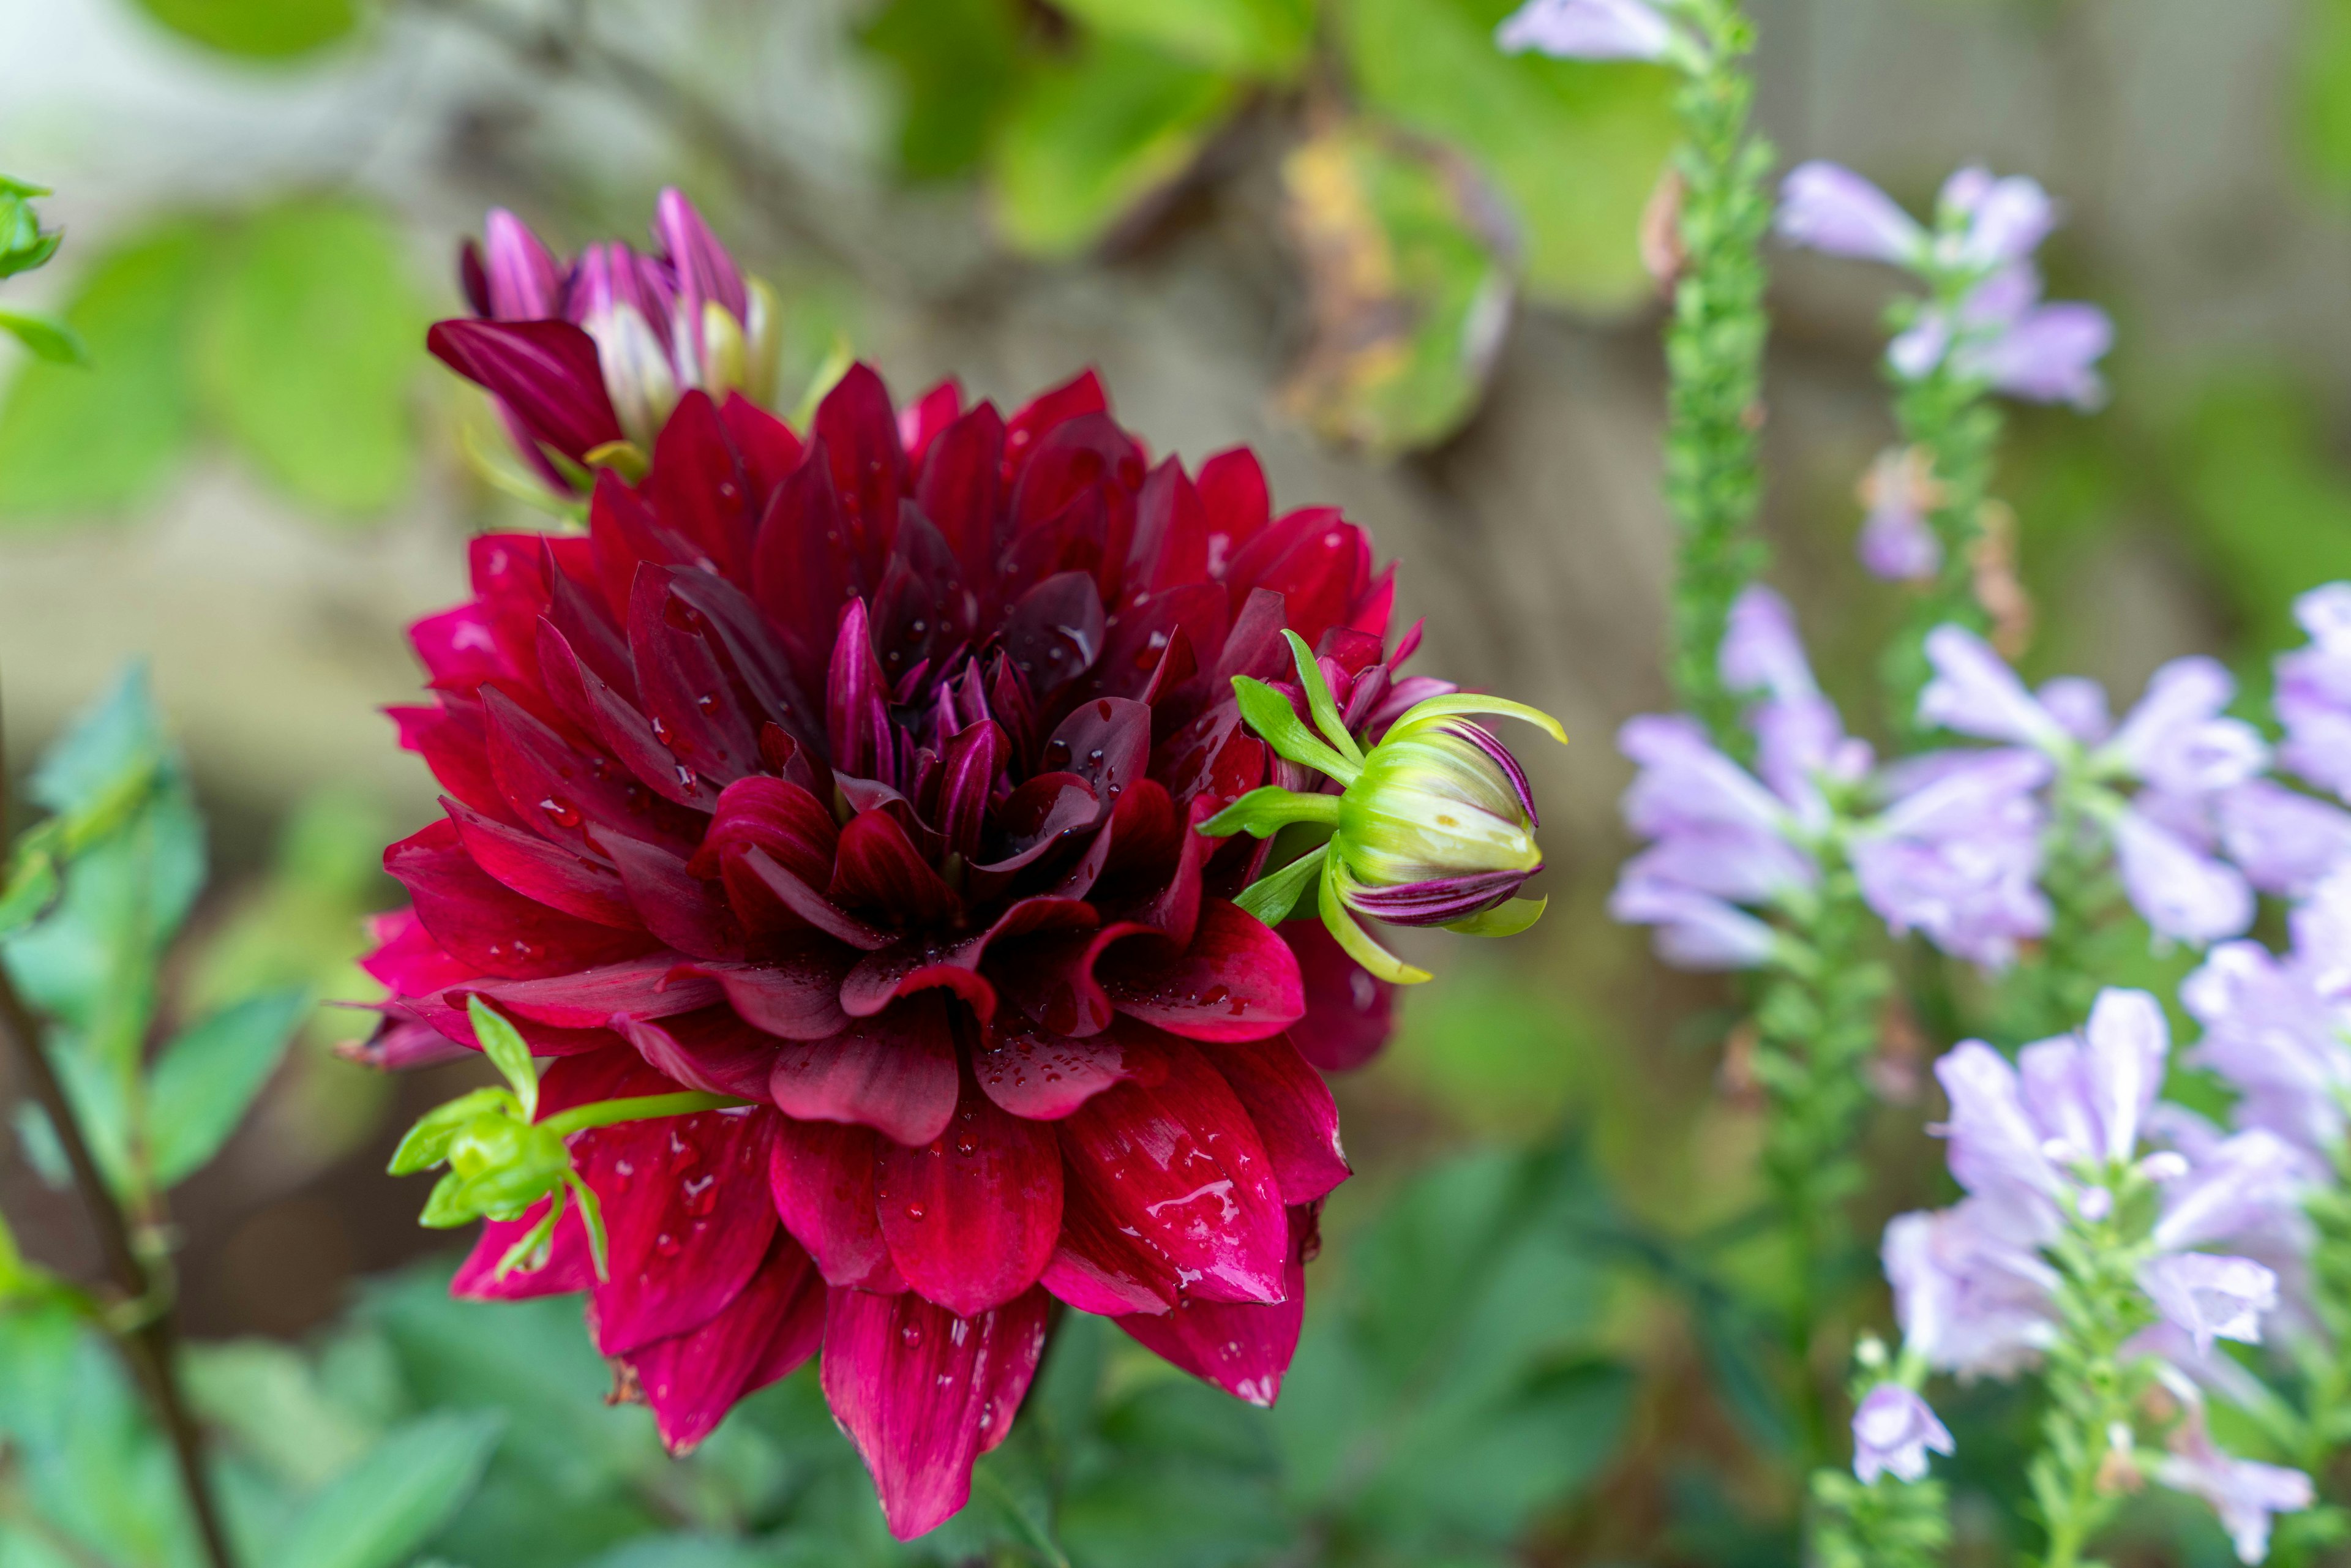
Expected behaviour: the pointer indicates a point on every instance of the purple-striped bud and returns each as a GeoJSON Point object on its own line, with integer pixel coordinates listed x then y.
{"type": "Point", "coordinates": [625, 303]}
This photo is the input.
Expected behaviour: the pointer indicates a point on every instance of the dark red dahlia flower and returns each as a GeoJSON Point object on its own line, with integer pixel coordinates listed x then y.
{"type": "Point", "coordinates": [856, 778]}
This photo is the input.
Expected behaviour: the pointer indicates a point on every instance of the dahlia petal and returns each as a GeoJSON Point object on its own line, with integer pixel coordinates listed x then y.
{"type": "Point", "coordinates": [750, 651]}
{"type": "Point", "coordinates": [1069, 541]}
{"type": "Point", "coordinates": [777, 816]}
{"type": "Point", "coordinates": [1043, 1076]}
{"type": "Point", "coordinates": [406, 959]}
{"type": "Point", "coordinates": [545, 872]}
{"type": "Point", "coordinates": [1292, 1110]}
{"type": "Point", "coordinates": [920, 421]}
{"type": "Point", "coordinates": [877, 867]}
{"type": "Point", "coordinates": [1238, 980]}
{"type": "Point", "coordinates": [1319, 563]}
{"type": "Point", "coordinates": [688, 701]}
{"type": "Point", "coordinates": [765, 444]}
{"type": "Point", "coordinates": [685, 1218]}
{"type": "Point", "coordinates": [577, 613]}
{"type": "Point", "coordinates": [919, 963]}
{"type": "Point", "coordinates": [1053, 633]}
{"type": "Point", "coordinates": [1375, 606]}
{"type": "Point", "coordinates": [1097, 1267]}
{"type": "Point", "coordinates": [923, 1392]}
{"type": "Point", "coordinates": [455, 749]}
{"type": "Point", "coordinates": [1171, 532]}
{"type": "Point", "coordinates": [628, 732]}
{"type": "Point", "coordinates": [446, 1014]}
{"type": "Point", "coordinates": [697, 486]}
{"type": "Point", "coordinates": [679, 908]}
{"type": "Point", "coordinates": [1086, 455]}
{"type": "Point", "coordinates": [1047, 411]}
{"type": "Point", "coordinates": [1139, 644]}
{"type": "Point", "coordinates": [1039, 815]}
{"type": "Point", "coordinates": [811, 906]}
{"type": "Point", "coordinates": [563, 794]}
{"type": "Point", "coordinates": [1234, 492]}
{"type": "Point", "coordinates": [792, 992]}
{"type": "Point", "coordinates": [856, 713]}
{"type": "Point", "coordinates": [974, 757]}
{"type": "Point", "coordinates": [692, 1380]}
{"type": "Point", "coordinates": [1181, 1167]}
{"type": "Point", "coordinates": [923, 612]}
{"type": "Point", "coordinates": [1142, 841]}
{"type": "Point", "coordinates": [458, 649]}
{"type": "Point", "coordinates": [959, 488]}
{"type": "Point", "coordinates": [1054, 981]}
{"type": "Point", "coordinates": [401, 1042]}
{"type": "Point", "coordinates": [710, 1049]}
{"type": "Point", "coordinates": [971, 1217]}
{"type": "Point", "coordinates": [650, 987]}
{"type": "Point", "coordinates": [821, 1177]}
{"type": "Point", "coordinates": [1106, 742]}
{"type": "Point", "coordinates": [1242, 1347]}
{"type": "Point", "coordinates": [480, 922]}
{"type": "Point", "coordinates": [1255, 647]}
{"type": "Point", "coordinates": [569, 1266]}
{"type": "Point", "coordinates": [624, 533]}
{"type": "Point", "coordinates": [509, 573]}
{"type": "Point", "coordinates": [800, 569]}
{"type": "Point", "coordinates": [546, 372]}
{"type": "Point", "coordinates": [1349, 1014]}
{"type": "Point", "coordinates": [894, 1072]}
{"type": "Point", "coordinates": [859, 432]}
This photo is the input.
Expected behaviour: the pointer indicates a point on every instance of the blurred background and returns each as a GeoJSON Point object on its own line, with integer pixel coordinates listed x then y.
{"type": "Point", "coordinates": [1408, 271]}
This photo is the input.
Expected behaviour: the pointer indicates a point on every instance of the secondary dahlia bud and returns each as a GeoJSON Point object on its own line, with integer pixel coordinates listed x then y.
{"type": "Point", "coordinates": [1432, 826]}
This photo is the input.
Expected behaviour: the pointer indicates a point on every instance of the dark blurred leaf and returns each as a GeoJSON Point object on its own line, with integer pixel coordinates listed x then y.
{"type": "Point", "coordinates": [82, 440]}
{"type": "Point", "coordinates": [207, 1077]}
{"type": "Point", "coordinates": [1576, 147]}
{"type": "Point", "coordinates": [81, 1453]}
{"type": "Point", "coordinates": [376, 1514]}
{"type": "Point", "coordinates": [956, 63]}
{"type": "Point", "coordinates": [1093, 136]}
{"type": "Point", "coordinates": [2322, 85]}
{"type": "Point", "coordinates": [1173, 1513]}
{"type": "Point", "coordinates": [2272, 510]}
{"type": "Point", "coordinates": [1266, 38]}
{"type": "Point", "coordinates": [305, 346]}
{"type": "Point", "coordinates": [256, 29]}
{"type": "Point", "coordinates": [1408, 299]}
{"type": "Point", "coordinates": [272, 1403]}
{"type": "Point", "coordinates": [48, 337]}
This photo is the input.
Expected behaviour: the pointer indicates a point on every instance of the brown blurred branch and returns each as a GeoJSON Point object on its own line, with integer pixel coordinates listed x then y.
{"type": "Point", "coordinates": [146, 1332]}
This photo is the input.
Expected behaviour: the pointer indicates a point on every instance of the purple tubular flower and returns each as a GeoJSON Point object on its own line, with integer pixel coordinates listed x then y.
{"type": "Point", "coordinates": [2050, 354]}
{"type": "Point", "coordinates": [1587, 30]}
{"type": "Point", "coordinates": [2245, 1493]}
{"type": "Point", "coordinates": [1827, 207]}
{"type": "Point", "coordinates": [2211, 1298]}
{"type": "Point", "coordinates": [1761, 650]}
{"type": "Point", "coordinates": [1958, 858]}
{"type": "Point", "coordinates": [1893, 1431]}
{"type": "Point", "coordinates": [1970, 1290]}
{"type": "Point", "coordinates": [1975, 693]}
{"type": "Point", "coordinates": [2312, 699]}
{"type": "Point", "coordinates": [1998, 1147]}
{"type": "Point", "coordinates": [2176, 739]}
{"type": "Point", "coordinates": [2180, 893]}
{"type": "Point", "coordinates": [2008, 219]}
{"type": "Point", "coordinates": [2274, 1028]}
{"type": "Point", "coordinates": [1694, 931]}
{"type": "Point", "coordinates": [2244, 1186]}
{"type": "Point", "coordinates": [2285, 843]}
{"type": "Point", "coordinates": [1896, 544]}
{"type": "Point", "coordinates": [2079, 707]}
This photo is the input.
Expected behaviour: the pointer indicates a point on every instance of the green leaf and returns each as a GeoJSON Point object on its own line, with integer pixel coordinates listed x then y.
{"type": "Point", "coordinates": [426, 1144]}
{"type": "Point", "coordinates": [1271, 897]}
{"type": "Point", "coordinates": [2322, 92]}
{"type": "Point", "coordinates": [76, 440]}
{"type": "Point", "coordinates": [271, 1401]}
{"type": "Point", "coordinates": [48, 337]}
{"type": "Point", "coordinates": [504, 1045]}
{"type": "Point", "coordinates": [256, 29]}
{"type": "Point", "coordinates": [1277, 723]}
{"type": "Point", "coordinates": [116, 736]}
{"type": "Point", "coordinates": [957, 64]}
{"type": "Point", "coordinates": [304, 344]}
{"type": "Point", "coordinates": [380, 1512]}
{"type": "Point", "coordinates": [1576, 147]}
{"type": "Point", "coordinates": [1094, 137]}
{"type": "Point", "coordinates": [207, 1079]}
{"type": "Point", "coordinates": [1268, 38]}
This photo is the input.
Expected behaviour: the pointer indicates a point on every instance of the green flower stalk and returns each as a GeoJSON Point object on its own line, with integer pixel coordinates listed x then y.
{"type": "Point", "coordinates": [1887, 1512]}
{"type": "Point", "coordinates": [1434, 825]}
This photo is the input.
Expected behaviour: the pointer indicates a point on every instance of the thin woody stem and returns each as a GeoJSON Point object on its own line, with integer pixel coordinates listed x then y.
{"type": "Point", "coordinates": [149, 1343]}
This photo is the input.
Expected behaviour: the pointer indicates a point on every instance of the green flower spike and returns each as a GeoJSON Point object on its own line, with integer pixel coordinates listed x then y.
{"type": "Point", "coordinates": [1434, 826]}
{"type": "Point", "coordinates": [502, 1158]}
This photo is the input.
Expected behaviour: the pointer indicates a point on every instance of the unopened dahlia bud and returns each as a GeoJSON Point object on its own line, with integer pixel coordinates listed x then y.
{"type": "Point", "coordinates": [1432, 826]}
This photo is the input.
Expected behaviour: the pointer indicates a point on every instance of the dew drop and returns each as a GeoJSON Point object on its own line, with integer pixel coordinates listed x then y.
{"type": "Point", "coordinates": [686, 778]}
{"type": "Point", "coordinates": [915, 1213]}
{"type": "Point", "coordinates": [707, 702]}
{"type": "Point", "coordinates": [561, 811]}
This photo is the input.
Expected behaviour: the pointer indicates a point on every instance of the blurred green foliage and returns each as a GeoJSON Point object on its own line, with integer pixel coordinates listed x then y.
{"type": "Point", "coordinates": [260, 30]}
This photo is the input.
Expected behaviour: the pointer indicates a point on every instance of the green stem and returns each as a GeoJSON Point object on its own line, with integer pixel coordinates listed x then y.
{"type": "Point", "coordinates": [2091, 1391]}
{"type": "Point", "coordinates": [640, 1108]}
{"type": "Point", "coordinates": [1714, 359]}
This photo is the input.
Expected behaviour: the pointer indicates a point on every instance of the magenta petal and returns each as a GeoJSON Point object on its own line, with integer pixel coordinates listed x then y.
{"type": "Point", "coordinates": [919, 963]}
{"type": "Point", "coordinates": [794, 992]}
{"type": "Point", "coordinates": [971, 1217]}
{"type": "Point", "coordinates": [894, 1072]}
{"type": "Point", "coordinates": [1242, 1347]}
{"type": "Point", "coordinates": [582, 799]}
{"type": "Point", "coordinates": [821, 1177]}
{"type": "Point", "coordinates": [481, 922]}
{"type": "Point", "coordinates": [1033, 1072]}
{"type": "Point", "coordinates": [1237, 981]}
{"type": "Point", "coordinates": [1099, 1265]}
{"type": "Point", "coordinates": [1349, 1014]}
{"type": "Point", "coordinates": [1181, 1166]}
{"type": "Point", "coordinates": [545, 371]}
{"type": "Point", "coordinates": [692, 1380]}
{"type": "Point", "coordinates": [812, 907]}
{"type": "Point", "coordinates": [685, 1208]}
{"type": "Point", "coordinates": [974, 757]}
{"type": "Point", "coordinates": [777, 816]}
{"type": "Point", "coordinates": [1293, 1110]}
{"type": "Point", "coordinates": [569, 1265]}
{"type": "Point", "coordinates": [1106, 742]}
{"type": "Point", "coordinates": [648, 987]}
{"type": "Point", "coordinates": [878, 868]}
{"type": "Point", "coordinates": [923, 1392]}
{"type": "Point", "coordinates": [712, 1051]}
{"type": "Point", "coordinates": [676, 905]}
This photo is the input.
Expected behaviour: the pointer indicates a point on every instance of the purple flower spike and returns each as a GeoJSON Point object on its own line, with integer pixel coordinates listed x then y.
{"type": "Point", "coordinates": [1761, 650]}
{"type": "Point", "coordinates": [2079, 707]}
{"type": "Point", "coordinates": [2245, 1493]}
{"type": "Point", "coordinates": [1694, 931]}
{"type": "Point", "coordinates": [2212, 1298]}
{"type": "Point", "coordinates": [1893, 1431]}
{"type": "Point", "coordinates": [1897, 543]}
{"type": "Point", "coordinates": [2285, 843]}
{"type": "Point", "coordinates": [1827, 207]}
{"type": "Point", "coordinates": [2050, 355]}
{"type": "Point", "coordinates": [2313, 691]}
{"type": "Point", "coordinates": [1997, 1144]}
{"type": "Point", "coordinates": [2177, 739]}
{"type": "Point", "coordinates": [2178, 892]}
{"type": "Point", "coordinates": [2008, 219]}
{"type": "Point", "coordinates": [2243, 1185]}
{"type": "Point", "coordinates": [1959, 857]}
{"type": "Point", "coordinates": [1587, 30]}
{"type": "Point", "coordinates": [1975, 693]}
{"type": "Point", "coordinates": [1970, 1290]}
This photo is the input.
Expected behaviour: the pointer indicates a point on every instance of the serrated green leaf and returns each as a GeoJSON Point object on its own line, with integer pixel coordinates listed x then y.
{"type": "Point", "coordinates": [957, 64]}
{"type": "Point", "coordinates": [304, 344]}
{"type": "Point", "coordinates": [79, 440]}
{"type": "Point", "coordinates": [1576, 147]}
{"type": "Point", "coordinates": [257, 29]}
{"type": "Point", "coordinates": [379, 1512]}
{"type": "Point", "coordinates": [1263, 38]}
{"type": "Point", "coordinates": [207, 1078]}
{"type": "Point", "coordinates": [1091, 137]}
{"type": "Point", "coordinates": [507, 1052]}
{"type": "Point", "coordinates": [48, 337]}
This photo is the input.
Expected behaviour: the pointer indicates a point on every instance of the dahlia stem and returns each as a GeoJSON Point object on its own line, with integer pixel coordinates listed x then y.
{"type": "Point", "coordinates": [640, 1108]}
{"type": "Point", "coordinates": [1713, 359]}
{"type": "Point", "coordinates": [144, 1330]}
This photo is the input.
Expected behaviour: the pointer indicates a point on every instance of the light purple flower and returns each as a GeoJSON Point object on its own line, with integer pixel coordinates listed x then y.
{"type": "Point", "coordinates": [1897, 541]}
{"type": "Point", "coordinates": [2006, 219]}
{"type": "Point", "coordinates": [1694, 931]}
{"type": "Point", "coordinates": [1761, 650]}
{"type": "Point", "coordinates": [2275, 1028]}
{"type": "Point", "coordinates": [2211, 1298]}
{"type": "Point", "coordinates": [2180, 893]}
{"type": "Point", "coordinates": [2245, 1493]}
{"type": "Point", "coordinates": [2004, 336]}
{"type": "Point", "coordinates": [1893, 1431]}
{"type": "Point", "coordinates": [2079, 705]}
{"type": "Point", "coordinates": [1587, 30]}
{"type": "Point", "coordinates": [2285, 843]}
{"type": "Point", "coordinates": [2243, 1187]}
{"type": "Point", "coordinates": [1999, 1148]}
{"type": "Point", "coordinates": [2312, 699]}
{"type": "Point", "coordinates": [1970, 1289]}
{"type": "Point", "coordinates": [1959, 855]}
{"type": "Point", "coordinates": [1974, 691]}
{"type": "Point", "coordinates": [2177, 737]}
{"type": "Point", "coordinates": [1827, 207]}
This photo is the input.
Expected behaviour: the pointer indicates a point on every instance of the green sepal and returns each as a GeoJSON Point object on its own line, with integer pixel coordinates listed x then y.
{"type": "Point", "coordinates": [1270, 713]}
{"type": "Point", "coordinates": [503, 1044]}
{"type": "Point", "coordinates": [1350, 936]}
{"type": "Point", "coordinates": [1267, 810]}
{"type": "Point", "coordinates": [1318, 701]}
{"type": "Point", "coordinates": [34, 254]}
{"type": "Point", "coordinates": [1505, 919]}
{"type": "Point", "coordinates": [625, 458]}
{"type": "Point", "coordinates": [531, 1250]}
{"type": "Point", "coordinates": [1463, 704]}
{"type": "Point", "coordinates": [592, 1216]}
{"type": "Point", "coordinates": [32, 883]}
{"type": "Point", "coordinates": [1271, 898]}
{"type": "Point", "coordinates": [12, 186]}
{"type": "Point", "coordinates": [48, 338]}
{"type": "Point", "coordinates": [447, 1209]}
{"type": "Point", "coordinates": [427, 1142]}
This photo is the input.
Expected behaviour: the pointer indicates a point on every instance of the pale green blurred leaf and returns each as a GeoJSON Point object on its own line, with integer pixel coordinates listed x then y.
{"type": "Point", "coordinates": [956, 62]}
{"type": "Point", "coordinates": [76, 440]}
{"type": "Point", "coordinates": [2270, 506]}
{"type": "Point", "coordinates": [1266, 38]}
{"type": "Point", "coordinates": [379, 1512]}
{"type": "Point", "coordinates": [2322, 92]}
{"type": "Point", "coordinates": [1407, 297]}
{"type": "Point", "coordinates": [1092, 137]}
{"type": "Point", "coordinates": [1576, 147]}
{"type": "Point", "coordinates": [207, 1077]}
{"type": "Point", "coordinates": [256, 29]}
{"type": "Point", "coordinates": [48, 338]}
{"type": "Point", "coordinates": [271, 1401]}
{"type": "Point", "coordinates": [304, 343]}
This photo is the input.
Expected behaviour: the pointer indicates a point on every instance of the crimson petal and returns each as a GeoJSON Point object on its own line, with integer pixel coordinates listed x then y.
{"type": "Point", "coordinates": [971, 1217]}
{"type": "Point", "coordinates": [569, 1265]}
{"type": "Point", "coordinates": [1033, 1072]}
{"type": "Point", "coordinates": [691, 1380]}
{"type": "Point", "coordinates": [1242, 1347]}
{"type": "Point", "coordinates": [649, 987]}
{"type": "Point", "coordinates": [545, 371]}
{"type": "Point", "coordinates": [793, 991]}
{"type": "Point", "coordinates": [1349, 1014]}
{"type": "Point", "coordinates": [894, 1072]}
{"type": "Point", "coordinates": [877, 867]}
{"type": "Point", "coordinates": [684, 1212]}
{"type": "Point", "coordinates": [482, 923]}
{"type": "Point", "coordinates": [1238, 980]}
{"type": "Point", "coordinates": [821, 1177]}
{"type": "Point", "coordinates": [545, 872]}
{"type": "Point", "coordinates": [711, 1050]}
{"type": "Point", "coordinates": [1293, 1110]}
